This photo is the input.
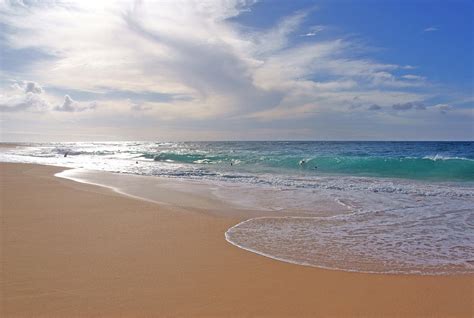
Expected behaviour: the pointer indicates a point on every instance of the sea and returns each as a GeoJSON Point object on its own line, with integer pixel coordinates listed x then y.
{"type": "Point", "coordinates": [374, 207]}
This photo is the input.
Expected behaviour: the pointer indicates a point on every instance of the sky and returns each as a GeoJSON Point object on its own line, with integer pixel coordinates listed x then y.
{"type": "Point", "coordinates": [236, 70]}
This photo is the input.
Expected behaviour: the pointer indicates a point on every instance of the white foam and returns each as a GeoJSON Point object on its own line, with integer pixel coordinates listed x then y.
{"type": "Point", "coordinates": [393, 241]}
{"type": "Point", "coordinates": [442, 157]}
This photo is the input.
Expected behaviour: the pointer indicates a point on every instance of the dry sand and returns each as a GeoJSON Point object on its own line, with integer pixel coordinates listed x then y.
{"type": "Point", "coordinates": [70, 249]}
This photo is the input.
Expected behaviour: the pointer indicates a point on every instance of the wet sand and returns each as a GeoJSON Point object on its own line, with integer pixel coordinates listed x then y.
{"type": "Point", "coordinates": [70, 249]}
{"type": "Point", "coordinates": [8, 145]}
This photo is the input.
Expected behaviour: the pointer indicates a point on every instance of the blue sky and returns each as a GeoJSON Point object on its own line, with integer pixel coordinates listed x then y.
{"type": "Point", "coordinates": [396, 28]}
{"type": "Point", "coordinates": [236, 70]}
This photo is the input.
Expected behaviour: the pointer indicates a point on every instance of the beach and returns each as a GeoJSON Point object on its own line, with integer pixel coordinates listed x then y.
{"type": "Point", "coordinates": [229, 158]}
{"type": "Point", "coordinates": [71, 249]}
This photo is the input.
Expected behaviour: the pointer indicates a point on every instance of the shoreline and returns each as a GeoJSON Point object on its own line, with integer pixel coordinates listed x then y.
{"type": "Point", "coordinates": [202, 195]}
{"type": "Point", "coordinates": [81, 250]}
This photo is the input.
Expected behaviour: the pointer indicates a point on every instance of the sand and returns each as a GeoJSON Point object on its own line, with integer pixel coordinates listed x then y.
{"type": "Point", "coordinates": [70, 249]}
{"type": "Point", "coordinates": [8, 145]}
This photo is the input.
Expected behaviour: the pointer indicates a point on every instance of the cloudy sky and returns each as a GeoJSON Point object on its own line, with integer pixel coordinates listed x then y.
{"type": "Point", "coordinates": [236, 70]}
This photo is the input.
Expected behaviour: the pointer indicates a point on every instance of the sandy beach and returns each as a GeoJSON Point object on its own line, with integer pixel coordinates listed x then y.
{"type": "Point", "coordinates": [78, 250]}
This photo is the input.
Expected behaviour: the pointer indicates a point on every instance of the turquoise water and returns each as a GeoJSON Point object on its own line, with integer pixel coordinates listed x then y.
{"type": "Point", "coordinates": [414, 160]}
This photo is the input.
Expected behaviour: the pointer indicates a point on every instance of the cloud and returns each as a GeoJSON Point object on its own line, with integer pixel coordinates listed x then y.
{"type": "Point", "coordinates": [139, 108]}
{"type": "Point", "coordinates": [184, 48]}
{"type": "Point", "coordinates": [23, 96]}
{"type": "Point", "coordinates": [266, 42]}
{"type": "Point", "coordinates": [314, 30]}
{"type": "Point", "coordinates": [374, 107]}
{"type": "Point", "coordinates": [181, 62]}
{"type": "Point", "coordinates": [26, 87]}
{"type": "Point", "coordinates": [408, 106]}
{"type": "Point", "coordinates": [32, 87]}
{"type": "Point", "coordinates": [414, 77]}
{"type": "Point", "coordinates": [70, 105]}
{"type": "Point", "coordinates": [431, 29]}
{"type": "Point", "coordinates": [442, 108]}
{"type": "Point", "coordinates": [23, 102]}
{"type": "Point", "coordinates": [29, 96]}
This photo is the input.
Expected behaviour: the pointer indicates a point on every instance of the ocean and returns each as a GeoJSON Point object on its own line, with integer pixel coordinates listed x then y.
{"type": "Point", "coordinates": [379, 207]}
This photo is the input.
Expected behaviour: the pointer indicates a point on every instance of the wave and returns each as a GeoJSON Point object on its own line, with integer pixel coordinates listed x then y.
{"type": "Point", "coordinates": [186, 158]}
{"type": "Point", "coordinates": [435, 167]}
{"type": "Point", "coordinates": [441, 157]}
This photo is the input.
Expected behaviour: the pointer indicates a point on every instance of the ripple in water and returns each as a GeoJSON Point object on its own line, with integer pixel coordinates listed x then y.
{"type": "Point", "coordinates": [379, 242]}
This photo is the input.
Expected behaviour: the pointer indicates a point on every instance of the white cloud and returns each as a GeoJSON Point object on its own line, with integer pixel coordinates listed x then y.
{"type": "Point", "coordinates": [23, 96]}
{"type": "Point", "coordinates": [28, 96]}
{"type": "Point", "coordinates": [70, 105]}
{"type": "Point", "coordinates": [314, 30]}
{"type": "Point", "coordinates": [185, 47]}
{"type": "Point", "coordinates": [431, 29]}
{"type": "Point", "coordinates": [414, 77]}
{"type": "Point", "coordinates": [191, 48]}
{"type": "Point", "coordinates": [23, 102]}
{"type": "Point", "coordinates": [264, 43]}
{"type": "Point", "coordinates": [442, 108]}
